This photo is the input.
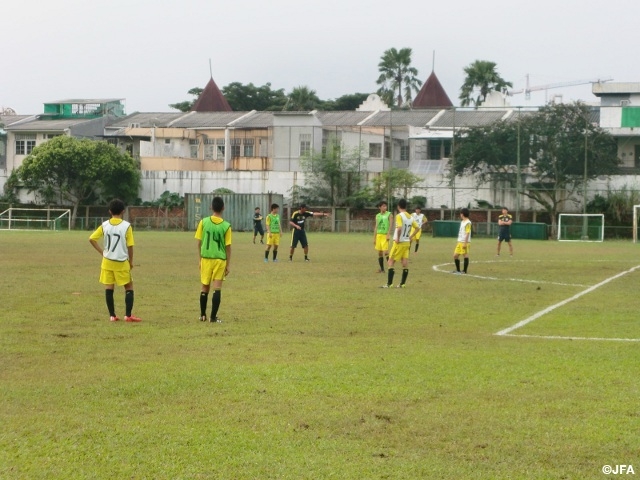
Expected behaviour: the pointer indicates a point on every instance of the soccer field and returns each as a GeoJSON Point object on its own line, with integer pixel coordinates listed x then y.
{"type": "Point", "coordinates": [526, 368]}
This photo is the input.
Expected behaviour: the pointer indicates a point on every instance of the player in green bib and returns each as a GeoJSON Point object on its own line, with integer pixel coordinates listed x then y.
{"type": "Point", "coordinates": [382, 234]}
{"type": "Point", "coordinates": [214, 250]}
{"type": "Point", "coordinates": [273, 233]}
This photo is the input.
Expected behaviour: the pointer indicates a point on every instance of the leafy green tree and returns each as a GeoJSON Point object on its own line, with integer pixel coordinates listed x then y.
{"type": "Point", "coordinates": [71, 170]}
{"type": "Point", "coordinates": [397, 75]}
{"type": "Point", "coordinates": [346, 102]}
{"type": "Point", "coordinates": [249, 97]}
{"type": "Point", "coordinates": [552, 148]}
{"type": "Point", "coordinates": [481, 78]}
{"type": "Point", "coordinates": [302, 98]}
{"type": "Point", "coordinates": [187, 104]}
{"type": "Point", "coordinates": [333, 176]}
{"type": "Point", "coordinates": [395, 183]}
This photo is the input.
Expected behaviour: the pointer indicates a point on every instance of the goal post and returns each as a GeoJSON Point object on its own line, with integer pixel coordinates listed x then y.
{"type": "Point", "coordinates": [36, 219]}
{"type": "Point", "coordinates": [581, 227]}
{"type": "Point", "coordinates": [636, 212]}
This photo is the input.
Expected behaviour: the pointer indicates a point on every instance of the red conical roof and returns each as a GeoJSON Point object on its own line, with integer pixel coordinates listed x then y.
{"type": "Point", "coordinates": [432, 95]}
{"type": "Point", "coordinates": [211, 100]}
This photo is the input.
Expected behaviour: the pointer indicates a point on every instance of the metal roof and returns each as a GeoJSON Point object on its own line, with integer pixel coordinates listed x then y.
{"type": "Point", "coordinates": [9, 119]}
{"type": "Point", "coordinates": [46, 125]}
{"type": "Point", "coordinates": [161, 120]}
{"type": "Point", "coordinates": [255, 120]}
{"type": "Point", "coordinates": [468, 118]}
{"type": "Point", "coordinates": [207, 119]}
{"type": "Point", "coordinates": [415, 118]}
{"type": "Point", "coordinates": [342, 117]}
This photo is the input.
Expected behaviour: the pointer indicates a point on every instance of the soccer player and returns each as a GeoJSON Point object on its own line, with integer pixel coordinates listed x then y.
{"type": "Point", "coordinates": [213, 237]}
{"type": "Point", "coordinates": [406, 229]}
{"type": "Point", "coordinates": [464, 239]}
{"type": "Point", "coordinates": [117, 259]}
{"type": "Point", "coordinates": [297, 233]}
{"type": "Point", "coordinates": [505, 220]}
{"type": "Point", "coordinates": [381, 234]}
{"type": "Point", "coordinates": [257, 225]}
{"type": "Point", "coordinates": [420, 219]}
{"type": "Point", "coordinates": [273, 233]}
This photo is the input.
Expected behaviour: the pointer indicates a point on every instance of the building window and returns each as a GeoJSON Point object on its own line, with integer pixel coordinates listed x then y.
{"type": "Point", "coordinates": [220, 149]}
{"type": "Point", "coordinates": [193, 148]}
{"type": "Point", "coordinates": [387, 149]}
{"type": "Point", "coordinates": [248, 147]}
{"type": "Point", "coordinates": [305, 144]}
{"type": "Point", "coordinates": [404, 153]}
{"type": "Point", "coordinates": [167, 141]}
{"type": "Point", "coordinates": [235, 147]}
{"type": "Point", "coordinates": [209, 151]}
{"type": "Point", "coordinates": [25, 143]}
{"type": "Point", "coordinates": [375, 150]}
{"type": "Point", "coordinates": [439, 149]}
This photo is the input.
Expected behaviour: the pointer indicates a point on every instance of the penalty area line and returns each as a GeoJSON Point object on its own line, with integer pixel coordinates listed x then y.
{"type": "Point", "coordinates": [539, 314]}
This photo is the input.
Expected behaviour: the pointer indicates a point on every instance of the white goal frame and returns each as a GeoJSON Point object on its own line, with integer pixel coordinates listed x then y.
{"type": "Point", "coordinates": [635, 223]}
{"type": "Point", "coordinates": [583, 215]}
{"type": "Point", "coordinates": [48, 223]}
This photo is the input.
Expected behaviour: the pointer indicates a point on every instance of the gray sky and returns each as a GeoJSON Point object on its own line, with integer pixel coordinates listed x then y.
{"type": "Point", "coordinates": [152, 52]}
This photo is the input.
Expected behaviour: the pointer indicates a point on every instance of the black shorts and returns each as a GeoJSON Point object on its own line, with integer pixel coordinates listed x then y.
{"type": "Point", "coordinates": [299, 236]}
{"type": "Point", "coordinates": [504, 236]}
{"type": "Point", "coordinates": [257, 228]}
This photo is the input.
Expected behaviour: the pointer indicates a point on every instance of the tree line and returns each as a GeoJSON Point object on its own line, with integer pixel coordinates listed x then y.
{"type": "Point", "coordinates": [397, 83]}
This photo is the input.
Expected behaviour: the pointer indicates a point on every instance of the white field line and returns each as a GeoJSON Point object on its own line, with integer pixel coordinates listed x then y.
{"type": "Point", "coordinates": [559, 337]}
{"type": "Point", "coordinates": [539, 314]}
{"type": "Point", "coordinates": [437, 269]}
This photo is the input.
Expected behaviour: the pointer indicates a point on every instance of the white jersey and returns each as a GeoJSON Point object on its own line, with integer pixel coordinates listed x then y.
{"type": "Point", "coordinates": [115, 241]}
{"type": "Point", "coordinates": [402, 235]}
{"type": "Point", "coordinates": [418, 218]}
{"type": "Point", "coordinates": [465, 227]}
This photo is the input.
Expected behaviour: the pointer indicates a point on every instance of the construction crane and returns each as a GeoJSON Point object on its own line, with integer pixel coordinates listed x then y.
{"type": "Point", "coordinates": [528, 89]}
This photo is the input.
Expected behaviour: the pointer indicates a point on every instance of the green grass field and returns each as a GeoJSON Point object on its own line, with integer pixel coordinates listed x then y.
{"type": "Point", "coordinates": [315, 372]}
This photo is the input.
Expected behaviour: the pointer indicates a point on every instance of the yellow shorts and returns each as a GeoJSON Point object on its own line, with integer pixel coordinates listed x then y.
{"type": "Point", "coordinates": [400, 251]}
{"type": "Point", "coordinates": [115, 277]}
{"type": "Point", "coordinates": [418, 235]}
{"type": "Point", "coordinates": [212, 269]}
{"type": "Point", "coordinates": [382, 242]}
{"type": "Point", "coordinates": [273, 239]}
{"type": "Point", "coordinates": [461, 249]}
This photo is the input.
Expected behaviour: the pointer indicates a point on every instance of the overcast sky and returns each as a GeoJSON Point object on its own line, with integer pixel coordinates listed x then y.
{"type": "Point", "coordinates": [152, 52]}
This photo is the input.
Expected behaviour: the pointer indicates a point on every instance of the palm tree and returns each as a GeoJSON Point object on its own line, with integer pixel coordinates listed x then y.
{"type": "Point", "coordinates": [395, 72]}
{"type": "Point", "coordinates": [302, 98]}
{"type": "Point", "coordinates": [482, 78]}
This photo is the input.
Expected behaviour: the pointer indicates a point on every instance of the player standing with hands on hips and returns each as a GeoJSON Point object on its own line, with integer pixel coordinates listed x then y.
{"type": "Point", "coordinates": [213, 237]}
{"type": "Point", "coordinates": [117, 259]}
{"type": "Point", "coordinates": [505, 220]}
{"type": "Point", "coordinates": [298, 234]}
{"type": "Point", "coordinates": [464, 239]}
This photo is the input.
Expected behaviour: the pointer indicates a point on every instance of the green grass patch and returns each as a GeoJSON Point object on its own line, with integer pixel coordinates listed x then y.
{"type": "Point", "coordinates": [316, 372]}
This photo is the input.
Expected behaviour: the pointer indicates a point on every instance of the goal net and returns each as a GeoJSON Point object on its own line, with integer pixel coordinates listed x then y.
{"type": "Point", "coordinates": [35, 219]}
{"type": "Point", "coordinates": [581, 227]}
{"type": "Point", "coordinates": [636, 212]}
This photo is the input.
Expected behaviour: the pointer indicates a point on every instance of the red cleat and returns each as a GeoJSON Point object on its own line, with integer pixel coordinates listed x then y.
{"type": "Point", "coordinates": [132, 318]}
{"type": "Point", "coordinates": [114, 319]}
